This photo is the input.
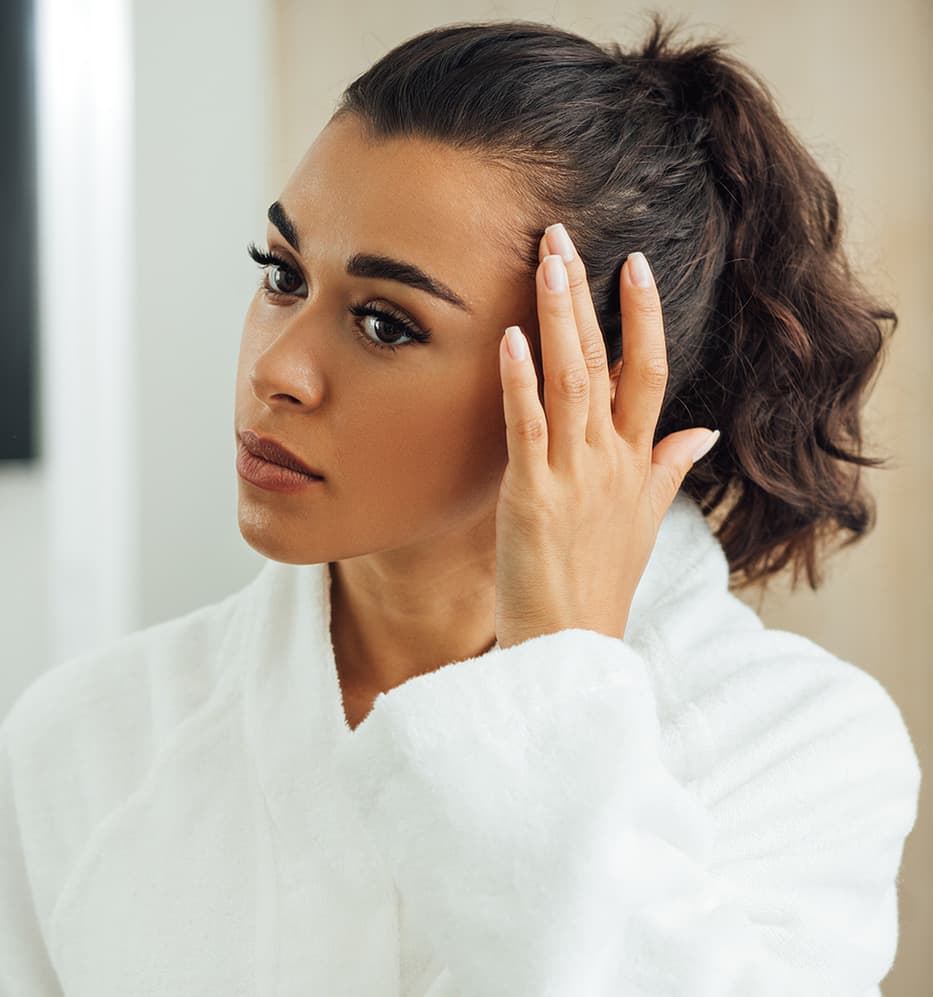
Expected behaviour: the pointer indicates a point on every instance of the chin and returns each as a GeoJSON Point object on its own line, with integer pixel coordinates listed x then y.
{"type": "Point", "coordinates": [275, 541]}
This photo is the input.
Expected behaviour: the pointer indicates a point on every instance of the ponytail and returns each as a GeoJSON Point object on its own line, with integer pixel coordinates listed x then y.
{"type": "Point", "coordinates": [793, 340]}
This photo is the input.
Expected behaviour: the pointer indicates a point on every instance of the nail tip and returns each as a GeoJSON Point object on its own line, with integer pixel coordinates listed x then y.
{"type": "Point", "coordinates": [707, 445]}
{"type": "Point", "coordinates": [563, 239]}
{"type": "Point", "coordinates": [639, 270]}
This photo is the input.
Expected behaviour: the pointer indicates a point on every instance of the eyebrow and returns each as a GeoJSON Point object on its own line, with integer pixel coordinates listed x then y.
{"type": "Point", "coordinates": [374, 266]}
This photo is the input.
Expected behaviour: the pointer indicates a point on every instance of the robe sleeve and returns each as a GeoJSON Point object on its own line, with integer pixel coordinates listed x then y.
{"type": "Point", "coordinates": [25, 967]}
{"type": "Point", "coordinates": [525, 804]}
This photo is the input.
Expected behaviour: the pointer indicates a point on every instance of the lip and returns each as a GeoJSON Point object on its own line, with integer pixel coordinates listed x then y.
{"type": "Point", "coordinates": [273, 451]}
{"type": "Point", "coordinates": [272, 477]}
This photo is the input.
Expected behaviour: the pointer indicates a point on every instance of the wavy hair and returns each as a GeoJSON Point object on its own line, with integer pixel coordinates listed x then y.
{"type": "Point", "coordinates": [677, 149]}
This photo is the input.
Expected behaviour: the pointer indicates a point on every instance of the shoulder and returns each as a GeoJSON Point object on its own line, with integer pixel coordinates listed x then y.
{"type": "Point", "coordinates": [777, 712]}
{"type": "Point", "coordinates": [753, 695]}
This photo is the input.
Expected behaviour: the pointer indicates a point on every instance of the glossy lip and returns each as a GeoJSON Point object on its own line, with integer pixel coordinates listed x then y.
{"type": "Point", "coordinates": [275, 453]}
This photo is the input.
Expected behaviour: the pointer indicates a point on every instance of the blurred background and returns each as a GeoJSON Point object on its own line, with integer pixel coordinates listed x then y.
{"type": "Point", "coordinates": [143, 142]}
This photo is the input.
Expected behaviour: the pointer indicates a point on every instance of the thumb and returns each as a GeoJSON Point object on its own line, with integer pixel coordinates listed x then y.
{"type": "Point", "coordinates": [672, 459]}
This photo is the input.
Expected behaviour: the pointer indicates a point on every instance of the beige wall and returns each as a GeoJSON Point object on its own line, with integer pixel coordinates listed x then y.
{"type": "Point", "coordinates": [855, 80]}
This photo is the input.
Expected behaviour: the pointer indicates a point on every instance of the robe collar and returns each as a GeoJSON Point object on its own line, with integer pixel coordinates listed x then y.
{"type": "Point", "coordinates": [285, 643]}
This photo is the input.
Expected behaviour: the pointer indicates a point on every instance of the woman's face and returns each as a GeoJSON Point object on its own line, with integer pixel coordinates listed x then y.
{"type": "Point", "coordinates": [411, 442]}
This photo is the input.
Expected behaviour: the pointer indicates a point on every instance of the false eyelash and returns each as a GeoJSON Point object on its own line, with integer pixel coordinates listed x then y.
{"type": "Point", "coordinates": [358, 309]}
{"type": "Point", "coordinates": [390, 318]}
{"type": "Point", "coordinates": [267, 259]}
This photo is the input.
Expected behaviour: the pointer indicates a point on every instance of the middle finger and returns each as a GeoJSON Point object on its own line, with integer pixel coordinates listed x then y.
{"type": "Point", "coordinates": [589, 333]}
{"type": "Point", "coordinates": [566, 385]}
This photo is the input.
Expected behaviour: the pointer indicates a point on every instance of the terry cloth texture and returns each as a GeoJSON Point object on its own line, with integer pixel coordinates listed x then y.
{"type": "Point", "coordinates": [707, 808]}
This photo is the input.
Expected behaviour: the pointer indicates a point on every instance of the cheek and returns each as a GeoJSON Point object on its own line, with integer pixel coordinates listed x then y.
{"type": "Point", "coordinates": [434, 444]}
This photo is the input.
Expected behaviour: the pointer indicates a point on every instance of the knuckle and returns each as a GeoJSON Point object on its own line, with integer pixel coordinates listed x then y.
{"type": "Point", "coordinates": [653, 372]}
{"type": "Point", "coordinates": [576, 275]}
{"type": "Point", "coordinates": [647, 307]}
{"type": "Point", "coordinates": [530, 430]}
{"type": "Point", "coordinates": [560, 309]}
{"type": "Point", "coordinates": [574, 383]}
{"type": "Point", "coordinates": [594, 352]}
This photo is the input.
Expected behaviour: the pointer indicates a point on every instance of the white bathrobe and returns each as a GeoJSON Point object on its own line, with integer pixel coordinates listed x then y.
{"type": "Point", "coordinates": [707, 808]}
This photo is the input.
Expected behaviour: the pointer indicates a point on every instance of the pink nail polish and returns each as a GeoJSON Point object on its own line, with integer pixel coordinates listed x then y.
{"type": "Point", "coordinates": [706, 446]}
{"type": "Point", "coordinates": [639, 270]}
{"type": "Point", "coordinates": [515, 343]}
{"type": "Point", "coordinates": [555, 273]}
{"type": "Point", "coordinates": [559, 241]}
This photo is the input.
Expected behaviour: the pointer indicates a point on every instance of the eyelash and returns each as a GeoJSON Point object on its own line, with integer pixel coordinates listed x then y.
{"type": "Point", "coordinates": [360, 309]}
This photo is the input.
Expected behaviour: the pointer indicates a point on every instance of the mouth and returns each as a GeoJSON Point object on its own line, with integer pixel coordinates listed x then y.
{"type": "Point", "coordinates": [269, 450]}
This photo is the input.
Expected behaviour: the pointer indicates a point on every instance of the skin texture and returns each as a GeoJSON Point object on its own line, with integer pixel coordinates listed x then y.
{"type": "Point", "coordinates": [412, 443]}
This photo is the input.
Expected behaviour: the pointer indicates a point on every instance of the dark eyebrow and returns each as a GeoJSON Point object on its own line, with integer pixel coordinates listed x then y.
{"type": "Point", "coordinates": [378, 267]}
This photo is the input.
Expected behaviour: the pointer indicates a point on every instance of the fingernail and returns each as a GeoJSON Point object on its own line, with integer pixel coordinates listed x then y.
{"type": "Point", "coordinates": [555, 273]}
{"type": "Point", "coordinates": [559, 241]}
{"type": "Point", "coordinates": [706, 446]}
{"type": "Point", "coordinates": [515, 343]}
{"type": "Point", "coordinates": [639, 270]}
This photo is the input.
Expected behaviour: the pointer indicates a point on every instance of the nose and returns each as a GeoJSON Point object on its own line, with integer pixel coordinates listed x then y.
{"type": "Point", "coordinates": [284, 373]}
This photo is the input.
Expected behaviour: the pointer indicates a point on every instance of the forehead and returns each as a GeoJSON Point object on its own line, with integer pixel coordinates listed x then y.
{"type": "Point", "coordinates": [441, 208]}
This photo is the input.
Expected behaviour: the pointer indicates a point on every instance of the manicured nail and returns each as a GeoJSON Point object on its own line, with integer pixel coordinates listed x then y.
{"type": "Point", "coordinates": [639, 270]}
{"type": "Point", "coordinates": [555, 273]}
{"type": "Point", "coordinates": [559, 241]}
{"type": "Point", "coordinates": [515, 343]}
{"type": "Point", "coordinates": [706, 446]}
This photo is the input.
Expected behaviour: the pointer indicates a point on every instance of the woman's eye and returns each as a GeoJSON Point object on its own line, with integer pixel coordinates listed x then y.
{"type": "Point", "coordinates": [277, 275]}
{"type": "Point", "coordinates": [283, 280]}
{"type": "Point", "coordinates": [380, 328]}
{"type": "Point", "coordinates": [383, 322]}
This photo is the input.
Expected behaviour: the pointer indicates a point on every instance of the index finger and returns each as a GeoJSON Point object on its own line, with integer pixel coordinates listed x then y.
{"type": "Point", "coordinates": [643, 377]}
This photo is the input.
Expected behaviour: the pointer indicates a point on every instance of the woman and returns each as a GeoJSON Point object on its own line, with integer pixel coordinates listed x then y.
{"type": "Point", "coordinates": [490, 720]}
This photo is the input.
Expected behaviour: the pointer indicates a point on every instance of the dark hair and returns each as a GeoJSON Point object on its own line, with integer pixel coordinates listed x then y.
{"type": "Point", "coordinates": [678, 150]}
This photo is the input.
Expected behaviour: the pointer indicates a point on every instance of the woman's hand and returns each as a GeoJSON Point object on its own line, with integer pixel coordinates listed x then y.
{"type": "Point", "coordinates": [584, 493]}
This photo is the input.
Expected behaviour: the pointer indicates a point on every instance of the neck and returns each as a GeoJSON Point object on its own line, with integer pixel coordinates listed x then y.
{"type": "Point", "coordinates": [390, 625]}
